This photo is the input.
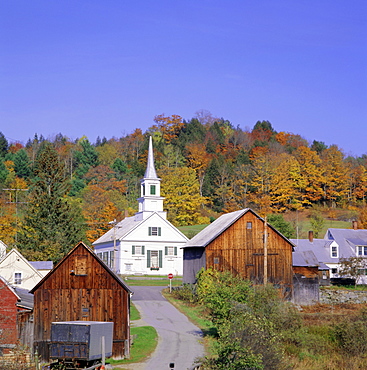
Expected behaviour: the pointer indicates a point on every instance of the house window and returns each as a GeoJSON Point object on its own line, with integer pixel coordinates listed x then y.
{"type": "Point", "coordinates": [17, 278]}
{"type": "Point", "coordinates": [138, 249]}
{"type": "Point", "coordinates": [154, 231]}
{"type": "Point", "coordinates": [170, 251]}
{"type": "Point", "coordinates": [334, 270]}
{"type": "Point", "coordinates": [361, 250]}
{"type": "Point", "coordinates": [249, 225]}
{"type": "Point", "coordinates": [107, 257]}
{"type": "Point", "coordinates": [154, 260]}
{"type": "Point", "coordinates": [152, 189]}
{"type": "Point", "coordinates": [216, 260]}
{"type": "Point", "coordinates": [334, 251]}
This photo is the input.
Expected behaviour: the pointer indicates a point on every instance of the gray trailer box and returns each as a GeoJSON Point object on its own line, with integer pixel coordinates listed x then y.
{"type": "Point", "coordinates": [80, 340]}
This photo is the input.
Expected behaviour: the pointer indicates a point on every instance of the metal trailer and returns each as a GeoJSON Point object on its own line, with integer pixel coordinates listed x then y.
{"type": "Point", "coordinates": [80, 344]}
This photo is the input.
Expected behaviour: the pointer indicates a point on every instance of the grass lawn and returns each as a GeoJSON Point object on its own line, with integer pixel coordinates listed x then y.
{"type": "Point", "coordinates": [146, 339]}
{"type": "Point", "coordinates": [134, 313]}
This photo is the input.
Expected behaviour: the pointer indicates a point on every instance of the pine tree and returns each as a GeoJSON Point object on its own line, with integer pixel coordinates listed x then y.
{"type": "Point", "coordinates": [51, 226]}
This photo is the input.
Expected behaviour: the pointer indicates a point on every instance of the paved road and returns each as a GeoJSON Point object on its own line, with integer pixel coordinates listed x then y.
{"type": "Point", "coordinates": [179, 340]}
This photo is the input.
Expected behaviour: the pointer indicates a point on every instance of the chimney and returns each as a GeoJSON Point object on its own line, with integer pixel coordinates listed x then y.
{"type": "Point", "coordinates": [310, 236]}
{"type": "Point", "coordinates": [355, 225]}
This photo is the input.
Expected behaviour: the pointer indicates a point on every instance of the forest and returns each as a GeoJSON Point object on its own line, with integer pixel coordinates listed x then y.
{"type": "Point", "coordinates": [57, 191]}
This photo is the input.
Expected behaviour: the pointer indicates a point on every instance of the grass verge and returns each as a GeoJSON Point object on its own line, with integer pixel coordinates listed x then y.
{"type": "Point", "coordinates": [146, 339]}
{"type": "Point", "coordinates": [134, 313]}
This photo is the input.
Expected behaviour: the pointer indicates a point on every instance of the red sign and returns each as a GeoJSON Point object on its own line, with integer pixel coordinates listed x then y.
{"type": "Point", "coordinates": [170, 276]}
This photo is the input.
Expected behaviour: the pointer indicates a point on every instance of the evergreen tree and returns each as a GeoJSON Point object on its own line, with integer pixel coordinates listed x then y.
{"type": "Point", "coordinates": [3, 145]}
{"type": "Point", "coordinates": [22, 164]}
{"type": "Point", "coordinates": [51, 226]}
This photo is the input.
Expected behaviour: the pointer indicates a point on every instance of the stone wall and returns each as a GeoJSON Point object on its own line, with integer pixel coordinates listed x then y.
{"type": "Point", "coordinates": [336, 296]}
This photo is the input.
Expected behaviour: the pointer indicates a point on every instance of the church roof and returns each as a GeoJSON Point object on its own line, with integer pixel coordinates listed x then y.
{"type": "Point", "coordinates": [150, 172]}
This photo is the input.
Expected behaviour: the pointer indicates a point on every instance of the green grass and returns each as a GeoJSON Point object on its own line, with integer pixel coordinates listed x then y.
{"type": "Point", "coordinates": [191, 231]}
{"type": "Point", "coordinates": [134, 313]}
{"type": "Point", "coordinates": [145, 342]}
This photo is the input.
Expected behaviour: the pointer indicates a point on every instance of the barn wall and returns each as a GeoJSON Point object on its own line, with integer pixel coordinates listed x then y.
{"type": "Point", "coordinates": [80, 288]}
{"type": "Point", "coordinates": [306, 288]}
{"type": "Point", "coordinates": [240, 249]}
{"type": "Point", "coordinates": [194, 260]}
{"type": "Point", "coordinates": [25, 327]}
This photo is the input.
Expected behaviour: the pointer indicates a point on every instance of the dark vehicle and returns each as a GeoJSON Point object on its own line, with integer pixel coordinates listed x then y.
{"type": "Point", "coordinates": [80, 344]}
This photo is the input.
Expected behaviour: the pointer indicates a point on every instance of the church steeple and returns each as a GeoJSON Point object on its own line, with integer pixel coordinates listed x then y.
{"type": "Point", "coordinates": [150, 200]}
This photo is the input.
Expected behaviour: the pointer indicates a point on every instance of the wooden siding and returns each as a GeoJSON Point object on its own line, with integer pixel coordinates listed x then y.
{"type": "Point", "coordinates": [81, 288]}
{"type": "Point", "coordinates": [240, 249]}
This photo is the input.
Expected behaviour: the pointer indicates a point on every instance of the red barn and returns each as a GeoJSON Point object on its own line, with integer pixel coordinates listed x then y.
{"type": "Point", "coordinates": [15, 317]}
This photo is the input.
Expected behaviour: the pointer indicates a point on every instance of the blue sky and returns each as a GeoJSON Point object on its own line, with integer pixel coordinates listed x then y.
{"type": "Point", "coordinates": [104, 68]}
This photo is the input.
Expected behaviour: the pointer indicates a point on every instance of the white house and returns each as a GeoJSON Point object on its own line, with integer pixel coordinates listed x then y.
{"type": "Point", "coordinates": [336, 244]}
{"type": "Point", "coordinates": [146, 243]}
{"type": "Point", "coordinates": [18, 272]}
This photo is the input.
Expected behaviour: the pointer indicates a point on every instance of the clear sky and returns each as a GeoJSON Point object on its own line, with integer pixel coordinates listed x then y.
{"type": "Point", "coordinates": [103, 68]}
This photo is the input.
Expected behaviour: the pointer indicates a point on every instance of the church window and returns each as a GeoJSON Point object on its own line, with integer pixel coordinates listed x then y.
{"type": "Point", "coordinates": [154, 231]}
{"type": "Point", "coordinates": [138, 249]}
{"type": "Point", "coordinates": [170, 251]}
{"type": "Point", "coordinates": [152, 189]}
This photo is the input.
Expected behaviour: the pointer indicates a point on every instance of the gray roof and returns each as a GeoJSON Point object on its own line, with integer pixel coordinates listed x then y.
{"type": "Point", "coordinates": [42, 265]}
{"type": "Point", "coordinates": [150, 172]}
{"type": "Point", "coordinates": [347, 240]}
{"type": "Point", "coordinates": [119, 230]}
{"type": "Point", "coordinates": [320, 248]}
{"type": "Point", "coordinates": [26, 298]}
{"type": "Point", "coordinates": [217, 227]}
{"type": "Point", "coordinates": [212, 231]}
{"type": "Point", "coordinates": [305, 259]}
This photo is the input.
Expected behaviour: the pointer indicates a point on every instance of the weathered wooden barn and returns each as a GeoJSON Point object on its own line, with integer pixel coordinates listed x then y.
{"type": "Point", "coordinates": [16, 317]}
{"type": "Point", "coordinates": [243, 243]}
{"type": "Point", "coordinates": [81, 287]}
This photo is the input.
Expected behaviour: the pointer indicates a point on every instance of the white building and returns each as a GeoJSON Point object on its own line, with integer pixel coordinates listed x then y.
{"type": "Point", "coordinates": [145, 243]}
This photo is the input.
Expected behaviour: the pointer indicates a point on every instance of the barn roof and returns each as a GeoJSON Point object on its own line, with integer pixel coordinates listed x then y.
{"type": "Point", "coordinates": [89, 250]}
{"type": "Point", "coordinates": [217, 227]}
{"type": "Point", "coordinates": [25, 298]}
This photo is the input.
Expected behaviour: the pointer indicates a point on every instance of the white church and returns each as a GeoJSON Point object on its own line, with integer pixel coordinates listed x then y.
{"type": "Point", "coordinates": [144, 244]}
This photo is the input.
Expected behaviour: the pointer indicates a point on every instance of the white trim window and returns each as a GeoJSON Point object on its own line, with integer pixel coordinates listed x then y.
{"type": "Point", "coordinates": [361, 250]}
{"type": "Point", "coordinates": [334, 251]}
{"type": "Point", "coordinates": [17, 278]}
{"type": "Point", "coordinates": [170, 251]}
{"type": "Point", "coordinates": [138, 250]}
{"type": "Point", "coordinates": [154, 231]}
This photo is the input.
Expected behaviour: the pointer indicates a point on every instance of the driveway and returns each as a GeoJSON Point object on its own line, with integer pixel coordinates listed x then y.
{"type": "Point", "coordinates": [179, 340]}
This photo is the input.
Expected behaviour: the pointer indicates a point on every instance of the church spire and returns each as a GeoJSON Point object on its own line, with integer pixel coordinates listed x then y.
{"type": "Point", "coordinates": [150, 200]}
{"type": "Point", "coordinates": [150, 171]}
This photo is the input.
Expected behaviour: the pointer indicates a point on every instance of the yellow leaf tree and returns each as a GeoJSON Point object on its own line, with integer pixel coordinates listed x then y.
{"type": "Point", "coordinates": [183, 201]}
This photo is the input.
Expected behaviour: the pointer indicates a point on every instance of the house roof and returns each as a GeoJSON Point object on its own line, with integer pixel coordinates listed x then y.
{"type": "Point", "coordinates": [304, 259]}
{"type": "Point", "coordinates": [42, 265]}
{"type": "Point", "coordinates": [89, 250]}
{"type": "Point", "coordinates": [320, 248]}
{"type": "Point", "coordinates": [126, 226]}
{"type": "Point", "coordinates": [217, 227]}
{"type": "Point", "coordinates": [25, 299]}
{"type": "Point", "coordinates": [3, 261]}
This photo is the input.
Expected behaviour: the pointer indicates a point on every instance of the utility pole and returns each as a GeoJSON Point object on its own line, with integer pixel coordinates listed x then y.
{"type": "Point", "coordinates": [114, 223]}
{"type": "Point", "coordinates": [265, 252]}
